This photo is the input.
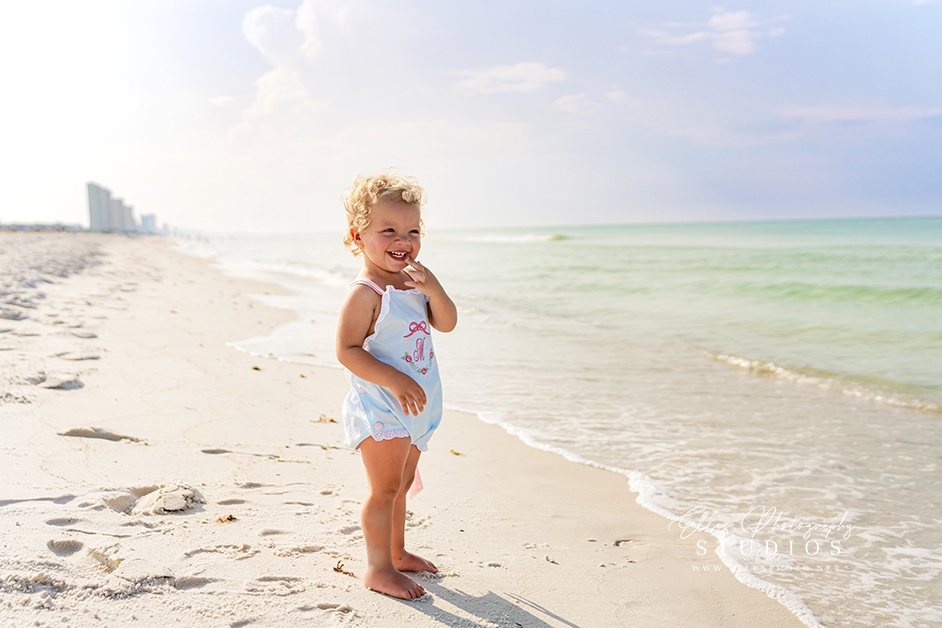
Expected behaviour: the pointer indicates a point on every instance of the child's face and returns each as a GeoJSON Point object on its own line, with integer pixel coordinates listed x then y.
{"type": "Point", "coordinates": [392, 237]}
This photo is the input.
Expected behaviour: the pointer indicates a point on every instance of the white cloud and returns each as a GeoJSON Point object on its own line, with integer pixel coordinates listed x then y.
{"type": "Point", "coordinates": [686, 39]}
{"type": "Point", "coordinates": [520, 77]}
{"type": "Point", "coordinates": [738, 42]}
{"type": "Point", "coordinates": [278, 86]}
{"type": "Point", "coordinates": [729, 31]}
{"type": "Point", "coordinates": [622, 98]}
{"type": "Point", "coordinates": [279, 91]}
{"type": "Point", "coordinates": [284, 36]}
{"type": "Point", "coordinates": [577, 103]}
{"type": "Point", "coordinates": [306, 22]}
{"type": "Point", "coordinates": [730, 20]}
{"type": "Point", "coordinates": [221, 101]}
{"type": "Point", "coordinates": [273, 33]}
{"type": "Point", "coordinates": [311, 18]}
{"type": "Point", "coordinates": [858, 113]}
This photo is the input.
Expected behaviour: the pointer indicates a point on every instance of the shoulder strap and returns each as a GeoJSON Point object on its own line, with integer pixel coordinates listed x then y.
{"type": "Point", "coordinates": [368, 283]}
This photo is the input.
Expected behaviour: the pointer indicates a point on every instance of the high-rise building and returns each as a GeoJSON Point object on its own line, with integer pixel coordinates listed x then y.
{"type": "Point", "coordinates": [128, 223]}
{"type": "Point", "coordinates": [149, 223]}
{"type": "Point", "coordinates": [116, 215]}
{"type": "Point", "coordinates": [99, 207]}
{"type": "Point", "coordinates": [109, 213]}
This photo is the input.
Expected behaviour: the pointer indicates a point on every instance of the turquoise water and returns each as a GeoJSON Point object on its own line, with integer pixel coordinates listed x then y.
{"type": "Point", "coordinates": [861, 300]}
{"type": "Point", "coordinates": [728, 369]}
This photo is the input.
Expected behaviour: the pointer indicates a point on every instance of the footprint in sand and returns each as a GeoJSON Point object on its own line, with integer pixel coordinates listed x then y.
{"type": "Point", "coordinates": [275, 585]}
{"type": "Point", "coordinates": [83, 334]}
{"type": "Point", "coordinates": [65, 547]}
{"type": "Point", "coordinates": [297, 550]}
{"type": "Point", "coordinates": [77, 356]}
{"type": "Point", "coordinates": [327, 606]}
{"type": "Point", "coordinates": [235, 552]}
{"type": "Point", "coordinates": [63, 382]}
{"type": "Point", "coordinates": [12, 315]}
{"type": "Point", "coordinates": [11, 398]}
{"type": "Point", "coordinates": [98, 432]}
{"type": "Point", "coordinates": [191, 582]}
{"type": "Point", "coordinates": [230, 502]}
{"type": "Point", "coordinates": [61, 499]}
{"type": "Point", "coordinates": [62, 521]}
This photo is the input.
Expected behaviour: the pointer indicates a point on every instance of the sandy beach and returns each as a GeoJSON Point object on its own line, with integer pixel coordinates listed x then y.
{"type": "Point", "coordinates": [155, 476]}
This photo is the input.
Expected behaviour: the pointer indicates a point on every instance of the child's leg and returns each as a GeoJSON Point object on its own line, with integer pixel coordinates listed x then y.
{"type": "Point", "coordinates": [403, 560]}
{"type": "Point", "coordinates": [385, 463]}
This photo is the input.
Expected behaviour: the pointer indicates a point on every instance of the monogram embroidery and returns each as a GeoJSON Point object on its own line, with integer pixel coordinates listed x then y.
{"type": "Point", "coordinates": [416, 359]}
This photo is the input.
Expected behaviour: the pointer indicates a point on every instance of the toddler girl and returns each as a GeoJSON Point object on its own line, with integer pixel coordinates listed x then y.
{"type": "Point", "coordinates": [385, 344]}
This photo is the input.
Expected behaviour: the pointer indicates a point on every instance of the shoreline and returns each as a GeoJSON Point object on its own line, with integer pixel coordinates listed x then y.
{"type": "Point", "coordinates": [638, 484]}
{"type": "Point", "coordinates": [643, 488]}
{"type": "Point", "coordinates": [509, 525]}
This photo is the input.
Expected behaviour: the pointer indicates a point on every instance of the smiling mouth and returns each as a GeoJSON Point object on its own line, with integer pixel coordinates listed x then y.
{"type": "Point", "coordinates": [398, 255]}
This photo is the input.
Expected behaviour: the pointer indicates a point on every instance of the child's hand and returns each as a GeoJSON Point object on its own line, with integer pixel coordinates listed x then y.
{"type": "Point", "coordinates": [410, 395]}
{"type": "Point", "coordinates": [442, 313]}
{"type": "Point", "coordinates": [422, 279]}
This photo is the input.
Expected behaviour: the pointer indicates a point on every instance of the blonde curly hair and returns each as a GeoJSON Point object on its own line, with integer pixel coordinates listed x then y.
{"type": "Point", "coordinates": [368, 191]}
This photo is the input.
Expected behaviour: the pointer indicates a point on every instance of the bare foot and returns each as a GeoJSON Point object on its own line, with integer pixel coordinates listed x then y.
{"type": "Point", "coordinates": [393, 583]}
{"type": "Point", "coordinates": [411, 562]}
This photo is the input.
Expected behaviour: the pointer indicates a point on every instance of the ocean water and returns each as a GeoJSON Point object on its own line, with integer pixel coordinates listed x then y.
{"type": "Point", "coordinates": [778, 384]}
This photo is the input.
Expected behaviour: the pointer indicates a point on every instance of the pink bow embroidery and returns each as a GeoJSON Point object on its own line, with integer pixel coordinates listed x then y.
{"type": "Point", "coordinates": [414, 327]}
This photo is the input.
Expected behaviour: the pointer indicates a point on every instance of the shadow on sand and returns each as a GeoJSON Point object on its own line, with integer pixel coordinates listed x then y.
{"type": "Point", "coordinates": [490, 609]}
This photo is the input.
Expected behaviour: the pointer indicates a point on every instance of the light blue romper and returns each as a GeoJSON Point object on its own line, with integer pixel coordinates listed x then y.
{"type": "Point", "coordinates": [401, 338]}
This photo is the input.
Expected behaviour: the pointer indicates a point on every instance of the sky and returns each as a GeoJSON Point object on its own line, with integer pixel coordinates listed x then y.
{"type": "Point", "coordinates": [235, 115]}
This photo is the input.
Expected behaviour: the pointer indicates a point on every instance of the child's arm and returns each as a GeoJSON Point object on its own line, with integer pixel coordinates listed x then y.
{"type": "Point", "coordinates": [356, 318]}
{"type": "Point", "coordinates": [442, 313]}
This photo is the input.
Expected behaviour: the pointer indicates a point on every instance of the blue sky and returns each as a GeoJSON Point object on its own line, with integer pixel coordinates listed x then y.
{"type": "Point", "coordinates": [235, 115]}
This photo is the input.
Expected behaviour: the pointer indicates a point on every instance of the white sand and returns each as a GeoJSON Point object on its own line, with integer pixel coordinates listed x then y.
{"type": "Point", "coordinates": [154, 476]}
